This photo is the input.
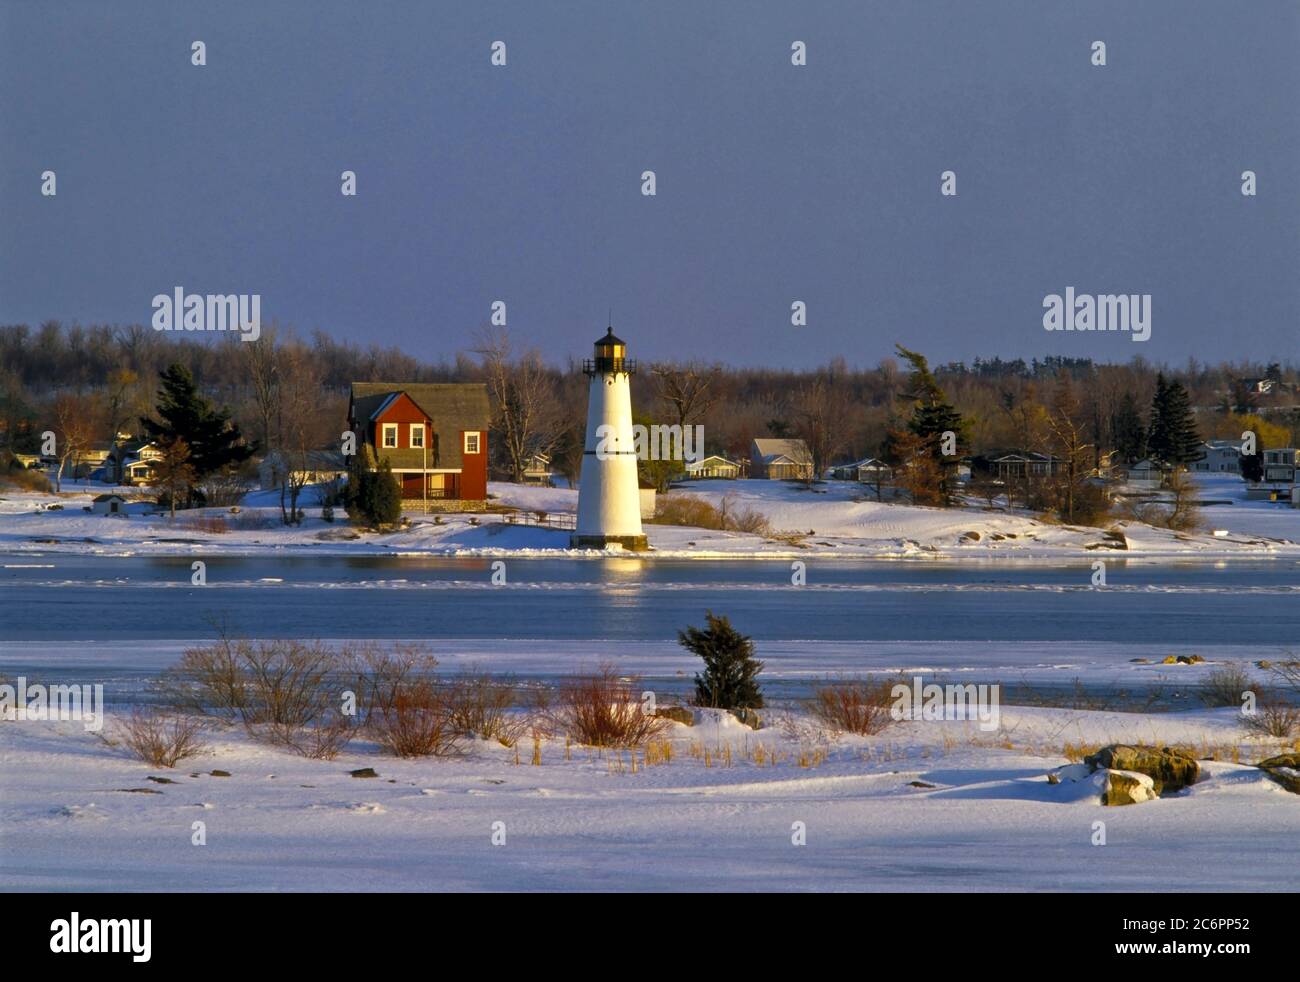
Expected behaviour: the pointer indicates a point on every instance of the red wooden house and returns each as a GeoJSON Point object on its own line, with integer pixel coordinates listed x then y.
{"type": "Point", "coordinates": [433, 435]}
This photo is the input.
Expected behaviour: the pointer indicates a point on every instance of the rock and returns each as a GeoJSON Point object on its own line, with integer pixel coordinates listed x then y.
{"type": "Point", "coordinates": [971, 536]}
{"type": "Point", "coordinates": [1190, 659]}
{"type": "Point", "coordinates": [364, 772]}
{"type": "Point", "coordinates": [1284, 769]}
{"type": "Point", "coordinates": [139, 790]}
{"type": "Point", "coordinates": [749, 717]}
{"type": "Point", "coordinates": [160, 780]}
{"type": "Point", "coordinates": [1140, 661]}
{"type": "Point", "coordinates": [920, 784]}
{"type": "Point", "coordinates": [679, 714]}
{"type": "Point", "coordinates": [1170, 770]}
{"type": "Point", "coordinates": [1168, 660]}
{"type": "Point", "coordinates": [1126, 788]}
{"type": "Point", "coordinates": [219, 773]}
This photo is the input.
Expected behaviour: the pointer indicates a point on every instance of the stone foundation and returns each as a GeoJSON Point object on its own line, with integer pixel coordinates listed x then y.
{"type": "Point", "coordinates": [633, 543]}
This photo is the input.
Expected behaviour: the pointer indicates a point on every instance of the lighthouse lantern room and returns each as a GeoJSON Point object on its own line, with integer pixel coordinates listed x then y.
{"type": "Point", "coordinates": [609, 503]}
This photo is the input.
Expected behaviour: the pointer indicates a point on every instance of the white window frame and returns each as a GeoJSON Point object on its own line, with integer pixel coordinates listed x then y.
{"type": "Point", "coordinates": [477, 437]}
{"type": "Point", "coordinates": [383, 436]}
{"type": "Point", "coordinates": [417, 428]}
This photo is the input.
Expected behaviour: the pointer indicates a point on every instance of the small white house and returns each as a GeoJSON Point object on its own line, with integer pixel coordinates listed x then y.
{"type": "Point", "coordinates": [108, 504]}
{"type": "Point", "coordinates": [713, 466]}
{"type": "Point", "coordinates": [1146, 473]}
{"type": "Point", "coordinates": [1219, 457]}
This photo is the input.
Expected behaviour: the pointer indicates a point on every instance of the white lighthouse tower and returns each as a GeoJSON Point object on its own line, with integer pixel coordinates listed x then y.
{"type": "Point", "coordinates": [609, 502]}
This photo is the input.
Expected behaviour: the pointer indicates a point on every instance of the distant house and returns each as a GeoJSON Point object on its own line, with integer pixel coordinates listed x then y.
{"type": "Point", "coordinates": [1017, 464]}
{"type": "Point", "coordinates": [1219, 457]}
{"type": "Point", "coordinates": [537, 469]}
{"type": "Point", "coordinates": [1146, 473]}
{"type": "Point", "coordinates": [108, 504]}
{"type": "Point", "coordinates": [713, 466]}
{"type": "Point", "coordinates": [780, 460]}
{"type": "Point", "coordinates": [869, 470]}
{"type": "Point", "coordinates": [138, 464]}
{"type": "Point", "coordinates": [313, 467]}
{"type": "Point", "coordinates": [434, 436]}
{"type": "Point", "coordinates": [1280, 466]}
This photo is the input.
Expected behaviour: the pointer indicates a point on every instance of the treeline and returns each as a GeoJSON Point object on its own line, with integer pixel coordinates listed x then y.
{"type": "Point", "coordinates": [288, 391]}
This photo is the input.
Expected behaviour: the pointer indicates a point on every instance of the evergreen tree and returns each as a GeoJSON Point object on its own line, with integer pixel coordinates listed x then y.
{"type": "Point", "coordinates": [730, 676]}
{"type": "Point", "coordinates": [373, 495]}
{"type": "Point", "coordinates": [1158, 429]}
{"type": "Point", "coordinates": [1173, 440]}
{"type": "Point", "coordinates": [213, 440]}
{"type": "Point", "coordinates": [932, 416]}
{"type": "Point", "coordinates": [1128, 435]}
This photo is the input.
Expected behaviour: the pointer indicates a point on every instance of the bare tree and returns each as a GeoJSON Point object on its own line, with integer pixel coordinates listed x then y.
{"type": "Point", "coordinates": [173, 472]}
{"type": "Point", "coordinates": [818, 411]}
{"type": "Point", "coordinates": [526, 416]}
{"type": "Point", "coordinates": [74, 430]}
{"type": "Point", "coordinates": [685, 390]}
{"type": "Point", "coordinates": [261, 360]}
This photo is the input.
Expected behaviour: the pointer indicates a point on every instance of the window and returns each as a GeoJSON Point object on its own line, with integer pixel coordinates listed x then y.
{"type": "Point", "coordinates": [390, 435]}
{"type": "Point", "coordinates": [471, 442]}
{"type": "Point", "coordinates": [417, 435]}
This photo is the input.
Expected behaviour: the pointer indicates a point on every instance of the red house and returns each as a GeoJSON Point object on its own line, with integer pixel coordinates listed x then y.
{"type": "Point", "coordinates": [433, 435]}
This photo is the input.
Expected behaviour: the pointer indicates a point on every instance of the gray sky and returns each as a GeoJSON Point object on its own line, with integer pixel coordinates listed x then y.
{"type": "Point", "coordinates": [775, 183]}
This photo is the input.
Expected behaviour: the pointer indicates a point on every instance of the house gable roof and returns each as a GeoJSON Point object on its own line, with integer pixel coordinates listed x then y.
{"type": "Point", "coordinates": [773, 451]}
{"type": "Point", "coordinates": [454, 408]}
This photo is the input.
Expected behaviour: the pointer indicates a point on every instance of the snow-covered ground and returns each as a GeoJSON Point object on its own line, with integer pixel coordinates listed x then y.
{"type": "Point", "coordinates": [837, 519]}
{"type": "Point", "coordinates": [924, 806]}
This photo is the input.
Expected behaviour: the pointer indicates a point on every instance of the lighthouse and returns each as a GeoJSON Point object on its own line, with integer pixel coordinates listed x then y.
{"type": "Point", "coordinates": [609, 502]}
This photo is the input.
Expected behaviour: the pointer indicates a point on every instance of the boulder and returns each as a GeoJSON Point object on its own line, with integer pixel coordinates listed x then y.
{"type": "Point", "coordinates": [678, 714]}
{"type": "Point", "coordinates": [364, 772]}
{"type": "Point", "coordinates": [1284, 769]}
{"type": "Point", "coordinates": [749, 717]}
{"type": "Point", "coordinates": [1126, 788]}
{"type": "Point", "coordinates": [1170, 770]}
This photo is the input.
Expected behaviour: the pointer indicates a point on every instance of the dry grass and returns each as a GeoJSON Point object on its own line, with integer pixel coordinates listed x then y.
{"type": "Point", "coordinates": [604, 710]}
{"type": "Point", "coordinates": [162, 739]}
{"type": "Point", "coordinates": [860, 706]}
{"type": "Point", "coordinates": [211, 524]}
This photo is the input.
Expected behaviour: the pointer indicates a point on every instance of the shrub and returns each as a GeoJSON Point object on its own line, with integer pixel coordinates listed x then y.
{"type": "Point", "coordinates": [373, 495]}
{"type": "Point", "coordinates": [162, 739]}
{"type": "Point", "coordinates": [1273, 716]}
{"type": "Point", "coordinates": [605, 710]}
{"type": "Point", "coordinates": [730, 676]}
{"type": "Point", "coordinates": [1225, 686]}
{"type": "Point", "coordinates": [414, 720]}
{"type": "Point", "coordinates": [282, 691]}
{"type": "Point", "coordinates": [860, 706]}
{"type": "Point", "coordinates": [480, 705]}
{"type": "Point", "coordinates": [696, 512]}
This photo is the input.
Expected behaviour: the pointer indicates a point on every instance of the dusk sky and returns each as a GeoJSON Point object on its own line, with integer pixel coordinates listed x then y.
{"type": "Point", "coordinates": [775, 183]}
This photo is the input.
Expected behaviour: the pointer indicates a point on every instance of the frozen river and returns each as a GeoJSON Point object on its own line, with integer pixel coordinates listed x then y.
{"type": "Point", "coordinates": [60, 598]}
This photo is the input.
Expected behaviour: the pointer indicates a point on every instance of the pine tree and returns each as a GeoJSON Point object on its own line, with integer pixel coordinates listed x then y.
{"type": "Point", "coordinates": [1158, 428]}
{"type": "Point", "coordinates": [1128, 435]}
{"type": "Point", "coordinates": [1184, 440]}
{"type": "Point", "coordinates": [385, 496]}
{"type": "Point", "coordinates": [213, 440]}
{"type": "Point", "coordinates": [933, 416]}
{"type": "Point", "coordinates": [730, 676]}
{"type": "Point", "coordinates": [1173, 439]}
